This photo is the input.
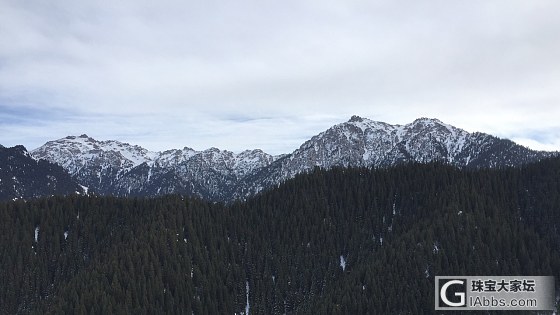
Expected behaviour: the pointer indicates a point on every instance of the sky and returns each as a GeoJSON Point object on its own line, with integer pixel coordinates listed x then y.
{"type": "Point", "coordinates": [267, 74]}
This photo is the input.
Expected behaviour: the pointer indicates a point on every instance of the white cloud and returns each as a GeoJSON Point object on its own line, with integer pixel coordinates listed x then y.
{"type": "Point", "coordinates": [242, 74]}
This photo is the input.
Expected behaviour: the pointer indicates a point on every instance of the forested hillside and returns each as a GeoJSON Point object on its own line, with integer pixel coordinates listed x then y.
{"type": "Point", "coordinates": [343, 241]}
{"type": "Point", "coordinates": [23, 177]}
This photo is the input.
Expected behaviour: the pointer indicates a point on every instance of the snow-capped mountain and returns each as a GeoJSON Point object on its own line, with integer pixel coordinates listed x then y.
{"type": "Point", "coordinates": [112, 167]}
{"type": "Point", "coordinates": [95, 164]}
{"type": "Point", "coordinates": [363, 142]}
{"type": "Point", "coordinates": [22, 177]}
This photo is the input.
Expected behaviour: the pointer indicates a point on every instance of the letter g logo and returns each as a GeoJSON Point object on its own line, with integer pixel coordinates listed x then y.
{"type": "Point", "coordinates": [460, 295]}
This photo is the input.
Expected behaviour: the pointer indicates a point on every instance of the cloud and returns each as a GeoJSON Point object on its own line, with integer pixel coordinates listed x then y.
{"type": "Point", "coordinates": [243, 74]}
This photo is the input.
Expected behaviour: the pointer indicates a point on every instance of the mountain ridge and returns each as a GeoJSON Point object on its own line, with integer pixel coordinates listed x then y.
{"type": "Point", "coordinates": [366, 143]}
{"type": "Point", "coordinates": [22, 177]}
{"type": "Point", "coordinates": [118, 168]}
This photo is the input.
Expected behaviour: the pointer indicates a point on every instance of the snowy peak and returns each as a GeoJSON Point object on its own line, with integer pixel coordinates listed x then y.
{"type": "Point", "coordinates": [364, 123]}
{"type": "Point", "coordinates": [74, 153]}
{"type": "Point", "coordinates": [420, 139]}
{"type": "Point", "coordinates": [361, 142]}
{"type": "Point", "coordinates": [174, 157]}
{"type": "Point", "coordinates": [424, 121]}
{"type": "Point", "coordinates": [429, 139]}
{"type": "Point", "coordinates": [249, 161]}
{"type": "Point", "coordinates": [113, 167]}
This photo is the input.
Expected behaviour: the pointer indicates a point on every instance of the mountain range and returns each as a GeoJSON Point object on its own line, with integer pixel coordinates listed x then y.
{"type": "Point", "coordinates": [121, 169]}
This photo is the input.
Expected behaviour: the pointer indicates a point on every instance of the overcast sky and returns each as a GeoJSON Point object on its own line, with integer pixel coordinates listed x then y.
{"type": "Point", "coordinates": [271, 74]}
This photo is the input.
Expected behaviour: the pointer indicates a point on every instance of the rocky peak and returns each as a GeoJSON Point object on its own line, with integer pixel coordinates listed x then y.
{"type": "Point", "coordinates": [355, 118]}
{"type": "Point", "coordinates": [119, 168]}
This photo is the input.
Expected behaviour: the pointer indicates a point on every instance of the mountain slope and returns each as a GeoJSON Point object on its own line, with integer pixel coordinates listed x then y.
{"type": "Point", "coordinates": [22, 177]}
{"type": "Point", "coordinates": [112, 167]}
{"type": "Point", "coordinates": [363, 142]}
{"type": "Point", "coordinates": [343, 241]}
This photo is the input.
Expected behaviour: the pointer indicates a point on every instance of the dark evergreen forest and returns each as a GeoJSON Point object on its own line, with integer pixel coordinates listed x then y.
{"type": "Point", "coordinates": [342, 241]}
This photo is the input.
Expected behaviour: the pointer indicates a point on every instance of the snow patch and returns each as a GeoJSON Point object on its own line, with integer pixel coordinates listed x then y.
{"type": "Point", "coordinates": [86, 189]}
{"type": "Point", "coordinates": [247, 306]}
